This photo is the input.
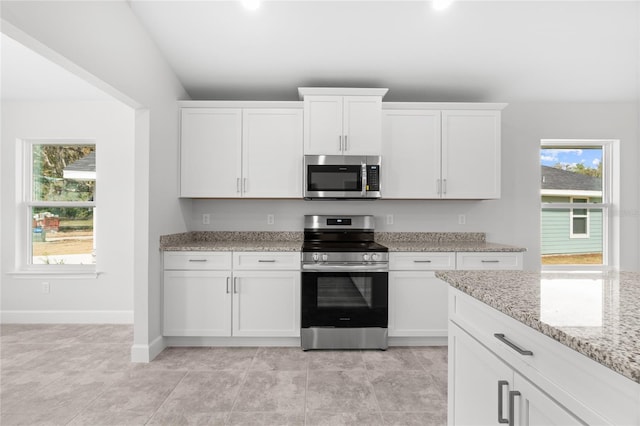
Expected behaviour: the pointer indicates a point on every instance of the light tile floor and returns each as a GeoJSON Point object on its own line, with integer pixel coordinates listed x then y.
{"type": "Point", "coordinates": [81, 375]}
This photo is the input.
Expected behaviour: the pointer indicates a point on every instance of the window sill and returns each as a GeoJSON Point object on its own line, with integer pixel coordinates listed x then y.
{"type": "Point", "coordinates": [26, 274]}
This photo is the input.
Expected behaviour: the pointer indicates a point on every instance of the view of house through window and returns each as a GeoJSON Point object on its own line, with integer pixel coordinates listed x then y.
{"type": "Point", "coordinates": [574, 203]}
{"type": "Point", "coordinates": [62, 208]}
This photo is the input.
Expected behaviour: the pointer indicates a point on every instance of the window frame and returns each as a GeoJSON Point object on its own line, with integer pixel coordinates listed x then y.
{"type": "Point", "coordinates": [27, 203]}
{"type": "Point", "coordinates": [585, 216]}
{"type": "Point", "coordinates": [608, 204]}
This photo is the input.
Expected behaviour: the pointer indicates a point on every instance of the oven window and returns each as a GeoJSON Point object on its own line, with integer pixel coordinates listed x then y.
{"type": "Point", "coordinates": [335, 178]}
{"type": "Point", "coordinates": [345, 292]}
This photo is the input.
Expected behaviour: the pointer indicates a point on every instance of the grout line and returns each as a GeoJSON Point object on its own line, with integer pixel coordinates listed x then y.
{"type": "Point", "coordinates": [167, 397]}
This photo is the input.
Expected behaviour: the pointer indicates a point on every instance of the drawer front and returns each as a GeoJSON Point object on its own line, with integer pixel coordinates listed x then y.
{"type": "Point", "coordinates": [197, 260]}
{"type": "Point", "coordinates": [489, 261]}
{"type": "Point", "coordinates": [421, 261]}
{"type": "Point", "coordinates": [265, 260]}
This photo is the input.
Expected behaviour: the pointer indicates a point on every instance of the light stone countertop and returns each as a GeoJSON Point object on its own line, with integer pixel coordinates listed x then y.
{"type": "Point", "coordinates": [292, 241]}
{"type": "Point", "coordinates": [596, 314]}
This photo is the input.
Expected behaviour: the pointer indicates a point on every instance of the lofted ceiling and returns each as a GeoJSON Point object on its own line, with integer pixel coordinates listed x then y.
{"type": "Point", "coordinates": [491, 51]}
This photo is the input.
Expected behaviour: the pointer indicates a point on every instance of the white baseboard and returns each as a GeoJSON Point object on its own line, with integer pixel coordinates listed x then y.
{"type": "Point", "coordinates": [66, 317]}
{"type": "Point", "coordinates": [146, 353]}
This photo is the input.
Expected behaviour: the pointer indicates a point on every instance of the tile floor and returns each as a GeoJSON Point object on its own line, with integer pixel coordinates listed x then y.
{"type": "Point", "coordinates": [81, 375]}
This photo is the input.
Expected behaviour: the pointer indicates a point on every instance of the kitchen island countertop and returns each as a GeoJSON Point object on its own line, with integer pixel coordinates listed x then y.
{"type": "Point", "coordinates": [595, 313]}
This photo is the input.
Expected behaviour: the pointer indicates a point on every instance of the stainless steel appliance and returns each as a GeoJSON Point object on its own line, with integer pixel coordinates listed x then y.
{"type": "Point", "coordinates": [341, 177]}
{"type": "Point", "coordinates": [345, 284]}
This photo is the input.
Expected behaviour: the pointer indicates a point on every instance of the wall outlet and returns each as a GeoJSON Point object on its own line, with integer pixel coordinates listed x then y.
{"type": "Point", "coordinates": [46, 288]}
{"type": "Point", "coordinates": [270, 219]}
{"type": "Point", "coordinates": [206, 219]}
{"type": "Point", "coordinates": [462, 219]}
{"type": "Point", "coordinates": [389, 219]}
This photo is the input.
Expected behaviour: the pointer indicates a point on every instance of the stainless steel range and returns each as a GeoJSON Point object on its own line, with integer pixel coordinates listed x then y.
{"type": "Point", "coordinates": [345, 284]}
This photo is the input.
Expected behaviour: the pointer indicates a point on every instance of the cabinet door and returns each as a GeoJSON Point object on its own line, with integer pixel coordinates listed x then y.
{"type": "Point", "coordinates": [197, 303]}
{"type": "Point", "coordinates": [471, 154]}
{"type": "Point", "coordinates": [410, 153]}
{"type": "Point", "coordinates": [362, 125]}
{"type": "Point", "coordinates": [417, 304]}
{"type": "Point", "coordinates": [210, 152]}
{"type": "Point", "coordinates": [535, 408]}
{"type": "Point", "coordinates": [272, 153]}
{"type": "Point", "coordinates": [323, 125]}
{"type": "Point", "coordinates": [266, 304]}
{"type": "Point", "coordinates": [474, 373]}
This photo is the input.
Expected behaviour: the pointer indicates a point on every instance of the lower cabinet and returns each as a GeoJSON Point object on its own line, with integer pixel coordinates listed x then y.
{"type": "Point", "coordinates": [222, 301]}
{"type": "Point", "coordinates": [490, 392]}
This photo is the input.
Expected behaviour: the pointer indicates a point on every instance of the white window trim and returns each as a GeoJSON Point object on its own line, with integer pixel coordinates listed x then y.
{"type": "Point", "coordinates": [610, 186]}
{"type": "Point", "coordinates": [572, 216]}
{"type": "Point", "coordinates": [24, 263]}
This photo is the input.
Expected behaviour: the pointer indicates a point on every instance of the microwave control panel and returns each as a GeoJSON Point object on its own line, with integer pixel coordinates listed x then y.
{"type": "Point", "coordinates": [373, 178]}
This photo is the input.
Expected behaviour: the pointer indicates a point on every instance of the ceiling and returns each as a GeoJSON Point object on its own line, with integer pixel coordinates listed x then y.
{"type": "Point", "coordinates": [477, 51]}
{"type": "Point", "coordinates": [500, 51]}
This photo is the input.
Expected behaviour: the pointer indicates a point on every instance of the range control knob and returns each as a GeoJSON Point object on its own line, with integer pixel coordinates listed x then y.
{"type": "Point", "coordinates": [325, 257]}
{"type": "Point", "coordinates": [365, 257]}
{"type": "Point", "coordinates": [316, 257]}
{"type": "Point", "coordinates": [374, 256]}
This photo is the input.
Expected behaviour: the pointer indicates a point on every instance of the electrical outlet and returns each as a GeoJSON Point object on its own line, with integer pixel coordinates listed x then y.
{"type": "Point", "coordinates": [206, 219]}
{"type": "Point", "coordinates": [462, 219]}
{"type": "Point", "coordinates": [389, 219]}
{"type": "Point", "coordinates": [46, 288]}
{"type": "Point", "coordinates": [270, 219]}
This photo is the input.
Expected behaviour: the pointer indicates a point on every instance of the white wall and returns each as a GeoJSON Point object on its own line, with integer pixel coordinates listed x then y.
{"type": "Point", "coordinates": [108, 298]}
{"type": "Point", "coordinates": [105, 43]}
{"type": "Point", "coordinates": [514, 219]}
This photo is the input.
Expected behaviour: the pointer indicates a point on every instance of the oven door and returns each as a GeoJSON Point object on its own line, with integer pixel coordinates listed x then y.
{"type": "Point", "coordinates": [345, 299]}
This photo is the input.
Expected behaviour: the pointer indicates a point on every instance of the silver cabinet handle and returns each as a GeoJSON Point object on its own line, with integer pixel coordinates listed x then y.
{"type": "Point", "coordinates": [444, 186]}
{"type": "Point", "coordinates": [439, 186]}
{"type": "Point", "coordinates": [197, 260]}
{"type": "Point", "coordinates": [235, 285]}
{"type": "Point", "coordinates": [501, 384]}
{"type": "Point", "coordinates": [340, 143]}
{"type": "Point", "coordinates": [490, 261]}
{"type": "Point", "coordinates": [512, 406]}
{"type": "Point", "coordinates": [244, 185]}
{"type": "Point", "coordinates": [266, 260]}
{"type": "Point", "coordinates": [346, 145]}
{"type": "Point", "coordinates": [421, 261]}
{"type": "Point", "coordinates": [238, 185]}
{"type": "Point", "coordinates": [512, 345]}
{"type": "Point", "coordinates": [228, 279]}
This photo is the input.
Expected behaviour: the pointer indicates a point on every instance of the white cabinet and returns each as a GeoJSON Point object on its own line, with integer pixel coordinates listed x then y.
{"type": "Point", "coordinates": [470, 154]}
{"type": "Point", "coordinates": [489, 392]}
{"type": "Point", "coordinates": [342, 121]}
{"type": "Point", "coordinates": [489, 260]}
{"type": "Point", "coordinates": [203, 295]}
{"type": "Point", "coordinates": [241, 152]}
{"type": "Point", "coordinates": [432, 154]}
{"type": "Point", "coordinates": [417, 299]}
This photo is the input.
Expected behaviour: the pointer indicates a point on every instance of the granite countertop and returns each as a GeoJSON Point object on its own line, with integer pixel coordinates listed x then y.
{"type": "Point", "coordinates": [596, 314]}
{"type": "Point", "coordinates": [292, 241]}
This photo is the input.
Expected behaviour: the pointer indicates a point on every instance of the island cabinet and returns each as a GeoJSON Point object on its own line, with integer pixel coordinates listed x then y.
{"type": "Point", "coordinates": [223, 294]}
{"type": "Point", "coordinates": [342, 121]}
{"type": "Point", "coordinates": [442, 153]}
{"type": "Point", "coordinates": [241, 152]}
{"type": "Point", "coordinates": [417, 299]}
{"type": "Point", "coordinates": [502, 371]}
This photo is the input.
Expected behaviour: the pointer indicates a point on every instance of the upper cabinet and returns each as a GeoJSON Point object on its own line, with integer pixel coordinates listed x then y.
{"type": "Point", "coordinates": [253, 152]}
{"type": "Point", "coordinates": [340, 121]}
{"type": "Point", "coordinates": [429, 152]}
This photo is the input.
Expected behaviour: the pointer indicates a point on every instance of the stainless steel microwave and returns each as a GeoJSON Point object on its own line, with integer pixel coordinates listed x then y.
{"type": "Point", "coordinates": [341, 177]}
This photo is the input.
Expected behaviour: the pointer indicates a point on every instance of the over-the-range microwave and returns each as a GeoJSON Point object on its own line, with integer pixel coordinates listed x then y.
{"type": "Point", "coordinates": [341, 177]}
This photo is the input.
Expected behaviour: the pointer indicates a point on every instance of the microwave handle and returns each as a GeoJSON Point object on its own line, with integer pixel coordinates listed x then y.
{"type": "Point", "coordinates": [364, 180]}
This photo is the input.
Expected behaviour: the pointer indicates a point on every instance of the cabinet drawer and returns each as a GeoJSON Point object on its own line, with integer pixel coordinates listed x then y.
{"type": "Point", "coordinates": [197, 260]}
{"type": "Point", "coordinates": [489, 260]}
{"type": "Point", "coordinates": [260, 260]}
{"type": "Point", "coordinates": [421, 261]}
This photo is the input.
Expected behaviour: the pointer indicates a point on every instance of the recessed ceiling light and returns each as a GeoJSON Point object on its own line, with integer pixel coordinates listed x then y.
{"type": "Point", "coordinates": [441, 4]}
{"type": "Point", "coordinates": [251, 4]}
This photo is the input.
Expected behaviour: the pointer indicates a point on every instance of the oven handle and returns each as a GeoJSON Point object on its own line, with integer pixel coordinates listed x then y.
{"type": "Point", "coordinates": [346, 268]}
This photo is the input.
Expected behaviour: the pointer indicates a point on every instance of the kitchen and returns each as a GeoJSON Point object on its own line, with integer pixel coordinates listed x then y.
{"type": "Point", "coordinates": [525, 123]}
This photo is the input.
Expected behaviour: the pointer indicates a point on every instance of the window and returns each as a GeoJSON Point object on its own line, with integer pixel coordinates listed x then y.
{"type": "Point", "coordinates": [576, 172]}
{"type": "Point", "coordinates": [60, 204]}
